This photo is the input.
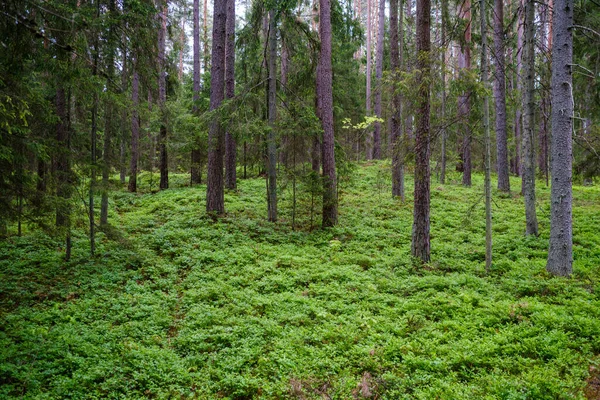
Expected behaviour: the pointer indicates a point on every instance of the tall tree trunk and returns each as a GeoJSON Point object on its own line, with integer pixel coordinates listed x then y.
{"type": "Point", "coordinates": [370, 137]}
{"type": "Point", "coordinates": [316, 151]}
{"type": "Point", "coordinates": [464, 100]}
{"type": "Point", "coordinates": [162, 99]}
{"type": "Point", "coordinates": [63, 169]}
{"type": "Point", "coordinates": [94, 140]}
{"type": "Point", "coordinates": [272, 110]}
{"type": "Point", "coordinates": [420, 231]}
{"type": "Point", "coordinates": [443, 110]}
{"type": "Point", "coordinates": [500, 99]}
{"type": "Point", "coordinates": [135, 130]}
{"type": "Point", "coordinates": [230, 144]}
{"type": "Point", "coordinates": [325, 88]}
{"type": "Point", "coordinates": [285, 139]}
{"type": "Point", "coordinates": [487, 140]}
{"type": "Point", "coordinates": [560, 254]}
{"type": "Point", "coordinates": [407, 64]}
{"type": "Point", "coordinates": [395, 127]}
{"type": "Point", "coordinates": [379, 76]}
{"type": "Point", "coordinates": [215, 201]}
{"type": "Point", "coordinates": [195, 172]}
{"type": "Point", "coordinates": [519, 114]}
{"type": "Point", "coordinates": [108, 127]}
{"type": "Point", "coordinates": [544, 16]}
{"type": "Point", "coordinates": [528, 121]}
{"type": "Point", "coordinates": [205, 36]}
{"type": "Point", "coordinates": [122, 152]}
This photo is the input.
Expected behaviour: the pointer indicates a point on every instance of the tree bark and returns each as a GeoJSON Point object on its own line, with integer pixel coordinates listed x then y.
{"type": "Point", "coordinates": [195, 172]}
{"type": "Point", "coordinates": [108, 127]}
{"type": "Point", "coordinates": [528, 122]}
{"type": "Point", "coordinates": [544, 15]}
{"type": "Point", "coordinates": [500, 99]}
{"type": "Point", "coordinates": [325, 88]}
{"type": "Point", "coordinates": [215, 201]}
{"type": "Point", "coordinates": [519, 114]}
{"type": "Point", "coordinates": [444, 96]}
{"type": "Point", "coordinates": [230, 144]}
{"type": "Point", "coordinates": [560, 253]}
{"type": "Point", "coordinates": [464, 100]}
{"type": "Point", "coordinates": [487, 140]}
{"type": "Point", "coordinates": [395, 127]}
{"type": "Point", "coordinates": [272, 110]}
{"type": "Point", "coordinates": [420, 231]}
{"type": "Point", "coordinates": [370, 137]}
{"type": "Point", "coordinates": [135, 131]}
{"type": "Point", "coordinates": [162, 99]}
{"type": "Point", "coordinates": [63, 169]}
{"type": "Point", "coordinates": [378, 77]}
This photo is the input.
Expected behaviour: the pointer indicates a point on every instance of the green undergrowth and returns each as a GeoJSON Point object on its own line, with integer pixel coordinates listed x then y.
{"type": "Point", "coordinates": [176, 305]}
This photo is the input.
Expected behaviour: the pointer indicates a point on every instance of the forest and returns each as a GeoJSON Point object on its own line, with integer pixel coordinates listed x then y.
{"type": "Point", "coordinates": [300, 199]}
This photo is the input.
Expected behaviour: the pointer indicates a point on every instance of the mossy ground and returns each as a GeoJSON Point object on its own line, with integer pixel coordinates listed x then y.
{"type": "Point", "coordinates": [176, 305]}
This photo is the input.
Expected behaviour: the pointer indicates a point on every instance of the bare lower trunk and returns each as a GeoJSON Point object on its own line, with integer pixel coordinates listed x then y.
{"type": "Point", "coordinates": [379, 76]}
{"type": "Point", "coordinates": [63, 170]}
{"type": "Point", "coordinates": [519, 81]}
{"type": "Point", "coordinates": [395, 126]}
{"type": "Point", "coordinates": [162, 101]}
{"type": "Point", "coordinates": [135, 131]}
{"type": "Point", "coordinates": [215, 202]}
{"type": "Point", "coordinates": [528, 122]}
{"type": "Point", "coordinates": [369, 138]}
{"type": "Point", "coordinates": [443, 110]}
{"type": "Point", "coordinates": [272, 109]}
{"type": "Point", "coordinates": [230, 144]}
{"type": "Point", "coordinates": [560, 253]}
{"type": "Point", "coordinates": [487, 141]}
{"type": "Point", "coordinates": [195, 172]}
{"type": "Point", "coordinates": [500, 99]}
{"type": "Point", "coordinates": [325, 88]}
{"type": "Point", "coordinates": [544, 15]}
{"type": "Point", "coordinates": [464, 101]}
{"type": "Point", "coordinates": [420, 231]}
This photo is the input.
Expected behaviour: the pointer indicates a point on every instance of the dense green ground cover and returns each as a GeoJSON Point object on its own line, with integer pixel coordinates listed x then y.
{"type": "Point", "coordinates": [176, 305]}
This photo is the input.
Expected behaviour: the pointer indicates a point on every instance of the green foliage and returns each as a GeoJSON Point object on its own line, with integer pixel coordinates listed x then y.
{"type": "Point", "coordinates": [176, 305]}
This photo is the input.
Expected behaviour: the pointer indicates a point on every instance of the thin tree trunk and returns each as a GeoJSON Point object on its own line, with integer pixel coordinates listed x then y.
{"type": "Point", "coordinates": [205, 36]}
{"type": "Point", "coordinates": [195, 172]}
{"type": "Point", "coordinates": [519, 81]}
{"type": "Point", "coordinates": [420, 231]}
{"type": "Point", "coordinates": [528, 122]}
{"type": "Point", "coordinates": [325, 93]}
{"type": "Point", "coordinates": [94, 117]}
{"type": "Point", "coordinates": [464, 100]}
{"type": "Point", "coordinates": [443, 110]}
{"type": "Point", "coordinates": [560, 253]}
{"type": "Point", "coordinates": [230, 144]}
{"type": "Point", "coordinates": [162, 99]}
{"type": "Point", "coordinates": [215, 201]}
{"type": "Point", "coordinates": [108, 130]}
{"type": "Point", "coordinates": [135, 131]}
{"type": "Point", "coordinates": [500, 99]}
{"type": "Point", "coordinates": [487, 140]}
{"type": "Point", "coordinates": [370, 137]}
{"type": "Point", "coordinates": [544, 16]}
{"type": "Point", "coordinates": [379, 76]}
{"type": "Point", "coordinates": [63, 170]}
{"type": "Point", "coordinates": [395, 128]}
{"type": "Point", "coordinates": [272, 109]}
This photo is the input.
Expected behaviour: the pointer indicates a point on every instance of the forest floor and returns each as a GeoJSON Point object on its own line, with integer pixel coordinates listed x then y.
{"type": "Point", "coordinates": [175, 305]}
